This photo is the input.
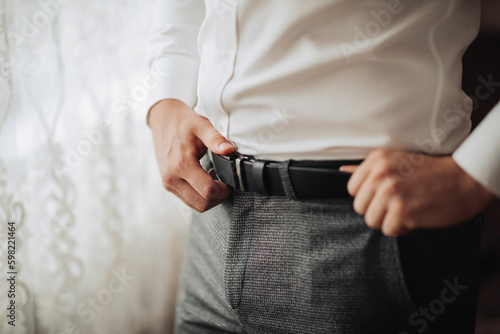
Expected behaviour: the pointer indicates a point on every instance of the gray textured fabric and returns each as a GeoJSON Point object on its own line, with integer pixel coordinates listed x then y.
{"type": "Point", "coordinates": [261, 264]}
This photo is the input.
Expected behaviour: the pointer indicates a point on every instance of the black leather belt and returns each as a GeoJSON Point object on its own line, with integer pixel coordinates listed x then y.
{"type": "Point", "coordinates": [310, 179]}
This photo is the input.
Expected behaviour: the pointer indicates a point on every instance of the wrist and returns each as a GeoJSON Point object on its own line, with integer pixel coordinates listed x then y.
{"type": "Point", "coordinates": [160, 108]}
{"type": "Point", "coordinates": [478, 196]}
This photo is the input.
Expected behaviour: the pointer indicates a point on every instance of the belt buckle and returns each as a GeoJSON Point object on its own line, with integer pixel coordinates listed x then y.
{"type": "Point", "coordinates": [237, 162]}
{"type": "Point", "coordinates": [236, 159]}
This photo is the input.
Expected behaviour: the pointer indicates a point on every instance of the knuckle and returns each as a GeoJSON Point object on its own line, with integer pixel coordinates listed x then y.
{"type": "Point", "coordinates": [409, 224]}
{"type": "Point", "coordinates": [203, 206]}
{"type": "Point", "coordinates": [168, 180]}
{"type": "Point", "coordinates": [176, 166]}
{"type": "Point", "coordinates": [378, 154]}
{"type": "Point", "coordinates": [192, 151]}
{"type": "Point", "coordinates": [210, 191]}
{"type": "Point", "coordinates": [382, 167]}
{"type": "Point", "coordinates": [168, 186]}
{"type": "Point", "coordinates": [408, 221]}
{"type": "Point", "coordinates": [396, 184]}
{"type": "Point", "coordinates": [398, 208]}
{"type": "Point", "coordinates": [389, 187]}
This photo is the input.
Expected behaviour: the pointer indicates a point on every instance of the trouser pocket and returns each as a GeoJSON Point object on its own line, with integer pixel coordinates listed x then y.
{"type": "Point", "coordinates": [315, 267]}
{"type": "Point", "coordinates": [441, 270]}
{"type": "Point", "coordinates": [312, 267]}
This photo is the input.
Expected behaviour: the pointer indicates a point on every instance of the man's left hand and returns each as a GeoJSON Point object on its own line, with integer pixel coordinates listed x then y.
{"type": "Point", "coordinates": [398, 191]}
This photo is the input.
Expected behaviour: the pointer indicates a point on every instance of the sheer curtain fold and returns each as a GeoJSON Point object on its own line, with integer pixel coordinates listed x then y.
{"type": "Point", "coordinates": [98, 241]}
{"type": "Point", "coordinates": [5, 68]}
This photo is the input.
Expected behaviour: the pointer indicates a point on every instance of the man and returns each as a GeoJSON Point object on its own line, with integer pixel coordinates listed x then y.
{"type": "Point", "coordinates": [299, 93]}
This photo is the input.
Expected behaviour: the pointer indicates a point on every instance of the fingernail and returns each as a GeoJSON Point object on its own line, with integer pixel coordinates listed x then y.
{"type": "Point", "coordinates": [225, 146]}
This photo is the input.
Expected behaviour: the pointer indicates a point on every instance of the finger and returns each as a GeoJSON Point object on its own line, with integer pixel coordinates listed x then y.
{"type": "Point", "coordinates": [377, 209]}
{"type": "Point", "coordinates": [348, 168]}
{"type": "Point", "coordinates": [203, 182]}
{"type": "Point", "coordinates": [176, 193]}
{"type": "Point", "coordinates": [358, 178]}
{"type": "Point", "coordinates": [364, 196]}
{"type": "Point", "coordinates": [211, 205]}
{"type": "Point", "coordinates": [224, 190]}
{"type": "Point", "coordinates": [192, 198]}
{"type": "Point", "coordinates": [212, 139]}
{"type": "Point", "coordinates": [392, 227]}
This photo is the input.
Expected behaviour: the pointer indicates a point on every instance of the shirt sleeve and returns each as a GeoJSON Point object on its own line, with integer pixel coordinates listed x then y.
{"type": "Point", "coordinates": [172, 50]}
{"type": "Point", "coordinates": [479, 154]}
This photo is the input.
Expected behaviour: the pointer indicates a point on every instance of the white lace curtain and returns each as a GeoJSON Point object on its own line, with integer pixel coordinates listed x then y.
{"type": "Point", "coordinates": [98, 241]}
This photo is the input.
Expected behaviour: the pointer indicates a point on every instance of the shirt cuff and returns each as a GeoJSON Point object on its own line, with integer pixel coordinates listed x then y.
{"type": "Point", "coordinates": [479, 154]}
{"type": "Point", "coordinates": [176, 77]}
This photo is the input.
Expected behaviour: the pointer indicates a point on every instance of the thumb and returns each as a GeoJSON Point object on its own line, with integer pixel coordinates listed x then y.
{"type": "Point", "coordinates": [214, 141]}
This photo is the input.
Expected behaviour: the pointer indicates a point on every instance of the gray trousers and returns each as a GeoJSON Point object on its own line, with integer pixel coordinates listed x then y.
{"type": "Point", "coordinates": [260, 264]}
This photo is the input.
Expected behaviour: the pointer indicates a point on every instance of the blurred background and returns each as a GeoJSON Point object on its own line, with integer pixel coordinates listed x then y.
{"type": "Point", "coordinates": [99, 242]}
{"type": "Point", "coordinates": [482, 60]}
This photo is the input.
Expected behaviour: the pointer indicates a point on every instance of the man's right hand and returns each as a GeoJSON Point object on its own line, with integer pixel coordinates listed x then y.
{"type": "Point", "coordinates": [181, 137]}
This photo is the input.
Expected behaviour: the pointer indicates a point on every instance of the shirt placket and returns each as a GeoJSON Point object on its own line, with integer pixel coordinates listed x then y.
{"type": "Point", "coordinates": [227, 11]}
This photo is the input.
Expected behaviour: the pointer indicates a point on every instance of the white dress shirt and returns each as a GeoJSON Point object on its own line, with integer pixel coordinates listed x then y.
{"type": "Point", "coordinates": [327, 79]}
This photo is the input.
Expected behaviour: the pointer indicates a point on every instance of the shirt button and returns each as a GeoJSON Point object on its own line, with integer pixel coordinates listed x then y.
{"type": "Point", "coordinates": [223, 56]}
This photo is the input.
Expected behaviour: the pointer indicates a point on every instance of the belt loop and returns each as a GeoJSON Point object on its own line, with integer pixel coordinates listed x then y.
{"type": "Point", "coordinates": [285, 180]}
{"type": "Point", "coordinates": [257, 180]}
